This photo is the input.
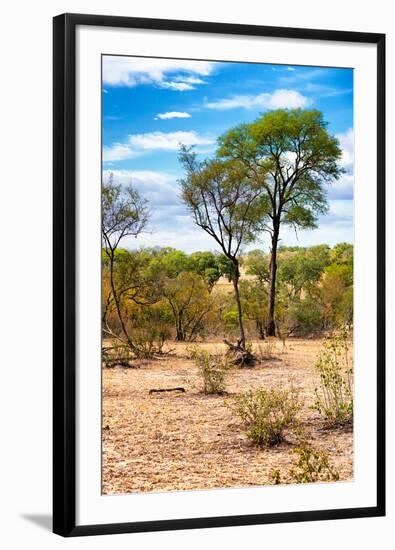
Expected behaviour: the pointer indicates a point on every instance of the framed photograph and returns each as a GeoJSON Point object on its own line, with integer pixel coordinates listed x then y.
{"type": "Point", "coordinates": [219, 275]}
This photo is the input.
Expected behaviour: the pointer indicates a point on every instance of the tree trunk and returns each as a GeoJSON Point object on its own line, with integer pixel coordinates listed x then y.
{"type": "Point", "coordinates": [270, 326]}
{"type": "Point", "coordinates": [260, 328]}
{"type": "Point", "coordinates": [180, 334]}
{"type": "Point", "coordinates": [236, 277]}
{"type": "Point", "coordinates": [118, 305]}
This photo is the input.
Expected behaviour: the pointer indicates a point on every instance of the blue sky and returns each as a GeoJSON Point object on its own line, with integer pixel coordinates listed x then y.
{"type": "Point", "coordinates": [150, 105]}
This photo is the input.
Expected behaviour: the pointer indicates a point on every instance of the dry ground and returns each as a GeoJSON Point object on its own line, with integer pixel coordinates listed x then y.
{"type": "Point", "coordinates": [183, 441]}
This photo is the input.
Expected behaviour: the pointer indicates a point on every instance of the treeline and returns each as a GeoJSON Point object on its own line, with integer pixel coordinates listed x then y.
{"type": "Point", "coordinates": [164, 293]}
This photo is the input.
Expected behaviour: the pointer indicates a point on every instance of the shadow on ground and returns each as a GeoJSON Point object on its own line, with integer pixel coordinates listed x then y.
{"type": "Point", "coordinates": [42, 520]}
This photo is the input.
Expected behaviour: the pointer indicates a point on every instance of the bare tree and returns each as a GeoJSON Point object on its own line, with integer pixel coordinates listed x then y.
{"type": "Point", "coordinates": [225, 203]}
{"type": "Point", "coordinates": [124, 213]}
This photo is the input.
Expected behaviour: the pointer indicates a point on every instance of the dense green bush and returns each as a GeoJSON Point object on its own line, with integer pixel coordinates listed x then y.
{"type": "Point", "coordinates": [307, 316]}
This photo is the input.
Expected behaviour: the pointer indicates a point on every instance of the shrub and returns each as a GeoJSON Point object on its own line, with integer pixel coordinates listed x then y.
{"type": "Point", "coordinates": [266, 351]}
{"type": "Point", "coordinates": [307, 316]}
{"type": "Point", "coordinates": [312, 465]}
{"type": "Point", "coordinates": [275, 476]}
{"type": "Point", "coordinates": [334, 397]}
{"type": "Point", "coordinates": [118, 355]}
{"type": "Point", "coordinates": [150, 340]}
{"type": "Point", "coordinates": [267, 413]}
{"type": "Point", "coordinates": [213, 369]}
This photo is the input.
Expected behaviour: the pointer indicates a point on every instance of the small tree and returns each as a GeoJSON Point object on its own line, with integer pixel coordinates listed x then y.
{"type": "Point", "coordinates": [124, 213]}
{"type": "Point", "coordinates": [190, 302]}
{"type": "Point", "coordinates": [254, 300]}
{"type": "Point", "coordinates": [226, 203]}
{"type": "Point", "coordinates": [300, 157]}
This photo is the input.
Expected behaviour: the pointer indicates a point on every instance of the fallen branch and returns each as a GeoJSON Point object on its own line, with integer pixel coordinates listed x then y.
{"type": "Point", "coordinates": [237, 355]}
{"type": "Point", "coordinates": [166, 389]}
{"type": "Point", "coordinates": [111, 363]}
{"type": "Point", "coordinates": [159, 354]}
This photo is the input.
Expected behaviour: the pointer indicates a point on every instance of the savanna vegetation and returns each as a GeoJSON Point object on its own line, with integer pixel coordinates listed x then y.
{"type": "Point", "coordinates": [245, 350]}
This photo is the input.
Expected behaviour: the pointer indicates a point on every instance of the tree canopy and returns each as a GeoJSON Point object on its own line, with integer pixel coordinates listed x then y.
{"type": "Point", "coordinates": [292, 156]}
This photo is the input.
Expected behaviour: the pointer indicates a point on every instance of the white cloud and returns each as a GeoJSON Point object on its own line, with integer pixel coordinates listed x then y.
{"type": "Point", "coordinates": [177, 85]}
{"type": "Point", "coordinates": [180, 75]}
{"type": "Point", "coordinates": [172, 114]}
{"type": "Point", "coordinates": [167, 141]}
{"type": "Point", "coordinates": [343, 188]}
{"type": "Point", "coordinates": [170, 223]}
{"type": "Point", "coordinates": [181, 83]}
{"type": "Point", "coordinates": [143, 176]}
{"type": "Point", "coordinates": [282, 68]}
{"type": "Point", "coordinates": [346, 141]}
{"type": "Point", "coordinates": [303, 75]}
{"type": "Point", "coordinates": [160, 188]}
{"type": "Point", "coordinates": [280, 99]}
{"type": "Point", "coordinates": [193, 80]}
{"type": "Point", "coordinates": [330, 234]}
{"type": "Point", "coordinates": [188, 239]}
{"type": "Point", "coordinates": [312, 81]}
{"type": "Point", "coordinates": [118, 151]}
{"type": "Point", "coordinates": [139, 143]}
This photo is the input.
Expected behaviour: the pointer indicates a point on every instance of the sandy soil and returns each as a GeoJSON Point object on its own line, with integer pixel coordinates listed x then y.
{"type": "Point", "coordinates": [183, 441]}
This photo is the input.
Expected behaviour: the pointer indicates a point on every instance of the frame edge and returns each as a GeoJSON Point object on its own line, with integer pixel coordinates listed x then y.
{"type": "Point", "coordinates": [64, 292]}
{"type": "Point", "coordinates": [64, 502]}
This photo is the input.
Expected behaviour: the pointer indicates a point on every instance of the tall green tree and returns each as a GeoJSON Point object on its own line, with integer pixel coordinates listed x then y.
{"type": "Point", "coordinates": [225, 202]}
{"type": "Point", "coordinates": [293, 156]}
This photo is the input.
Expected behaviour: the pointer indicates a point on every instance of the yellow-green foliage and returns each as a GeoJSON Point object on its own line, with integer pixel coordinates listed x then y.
{"type": "Point", "coordinates": [267, 413]}
{"type": "Point", "coordinates": [212, 368]}
{"type": "Point", "coordinates": [119, 355]}
{"type": "Point", "coordinates": [190, 303]}
{"type": "Point", "coordinates": [334, 397]}
{"type": "Point", "coordinates": [311, 465]}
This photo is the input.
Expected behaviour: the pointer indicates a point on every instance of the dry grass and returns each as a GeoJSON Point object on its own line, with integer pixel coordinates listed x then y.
{"type": "Point", "coordinates": [182, 441]}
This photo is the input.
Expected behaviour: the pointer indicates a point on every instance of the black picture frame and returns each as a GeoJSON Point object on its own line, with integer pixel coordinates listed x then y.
{"type": "Point", "coordinates": [64, 273]}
